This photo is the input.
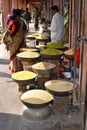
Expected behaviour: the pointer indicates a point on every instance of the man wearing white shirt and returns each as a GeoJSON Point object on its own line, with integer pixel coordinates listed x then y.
{"type": "Point", "coordinates": [57, 25]}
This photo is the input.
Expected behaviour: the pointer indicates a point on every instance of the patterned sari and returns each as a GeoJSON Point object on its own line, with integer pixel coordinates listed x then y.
{"type": "Point", "coordinates": [17, 34]}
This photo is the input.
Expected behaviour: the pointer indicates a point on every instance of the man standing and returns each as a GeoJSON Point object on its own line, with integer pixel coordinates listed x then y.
{"type": "Point", "coordinates": [36, 15]}
{"type": "Point", "coordinates": [27, 17]}
{"type": "Point", "coordinates": [57, 25]}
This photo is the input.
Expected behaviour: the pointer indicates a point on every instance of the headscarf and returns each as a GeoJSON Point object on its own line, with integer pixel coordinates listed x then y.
{"type": "Point", "coordinates": [12, 14]}
{"type": "Point", "coordinates": [9, 16]}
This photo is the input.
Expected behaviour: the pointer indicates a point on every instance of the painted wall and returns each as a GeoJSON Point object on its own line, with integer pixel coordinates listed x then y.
{"type": "Point", "coordinates": [5, 10]}
{"type": "Point", "coordinates": [7, 5]}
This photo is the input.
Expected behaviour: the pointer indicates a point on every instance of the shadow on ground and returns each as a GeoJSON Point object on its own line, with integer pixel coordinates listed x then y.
{"type": "Point", "coordinates": [18, 122]}
{"type": "Point", "coordinates": [4, 75]}
{"type": "Point", "coordinates": [4, 61]}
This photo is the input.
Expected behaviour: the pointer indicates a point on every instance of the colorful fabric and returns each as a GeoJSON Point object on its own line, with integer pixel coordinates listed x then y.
{"type": "Point", "coordinates": [17, 34]}
{"type": "Point", "coordinates": [7, 39]}
{"type": "Point", "coordinates": [77, 61]}
{"type": "Point", "coordinates": [77, 56]}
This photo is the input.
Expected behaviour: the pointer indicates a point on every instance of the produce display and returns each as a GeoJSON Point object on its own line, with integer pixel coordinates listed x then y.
{"type": "Point", "coordinates": [43, 66]}
{"type": "Point", "coordinates": [32, 35]}
{"type": "Point", "coordinates": [55, 45]}
{"type": "Point", "coordinates": [51, 52]}
{"type": "Point", "coordinates": [69, 52]}
{"type": "Point", "coordinates": [35, 34]}
{"type": "Point", "coordinates": [24, 75]}
{"type": "Point", "coordinates": [36, 97]}
{"type": "Point", "coordinates": [28, 54]}
{"type": "Point", "coordinates": [44, 35]}
{"type": "Point", "coordinates": [59, 85]}
{"type": "Point", "coordinates": [39, 35]}
{"type": "Point", "coordinates": [29, 49]}
{"type": "Point", "coordinates": [40, 47]}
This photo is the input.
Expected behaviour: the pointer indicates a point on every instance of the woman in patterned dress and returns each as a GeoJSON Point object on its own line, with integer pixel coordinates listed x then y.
{"type": "Point", "coordinates": [17, 29]}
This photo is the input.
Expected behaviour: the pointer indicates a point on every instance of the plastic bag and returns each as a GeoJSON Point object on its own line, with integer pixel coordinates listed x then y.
{"type": "Point", "coordinates": [7, 39]}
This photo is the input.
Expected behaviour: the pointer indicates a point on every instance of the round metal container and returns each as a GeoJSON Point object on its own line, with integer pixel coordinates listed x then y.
{"type": "Point", "coordinates": [27, 55]}
{"type": "Point", "coordinates": [69, 54]}
{"type": "Point", "coordinates": [59, 87]}
{"type": "Point", "coordinates": [29, 49]}
{"type": "Point", "coordinates": [37, 114]}
{"type": "Point", "coordinates": [52, 54]}
{"type": "Point", "coordinates": [23, 78]}
{"type": "Point", "coordinates": [61, 90]}
{"type": "Point", "coordinates": [30, 37]}
{"type": "Point", "coordinates": [36, 98]}
{"type": "Point", "coordinates": [38, 104]}
{"type": "Point", "coordinates": [43, 68]}
{"type": "Point", "coordinates": [58, 46]}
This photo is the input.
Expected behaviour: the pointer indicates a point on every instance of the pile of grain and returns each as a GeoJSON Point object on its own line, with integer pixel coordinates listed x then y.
{"type": "Point", "coordinates": [69, 52]}
{"type": "Point", "coordinates": [55, 45]}
{"type": "Point", "coordinates": [29, 49]}
{"type": "Point", "coordinates": [24, 75]}
{"type": "Point", "coordinates": [50, 51]}
{"type": "Point", "coordinates": [43, 66]}
{"type": "Point", "coordinates": [37, 96]}
{"type": "Point", "coordinates": [28, 54]}
{"type": "Point", "coordinates": [59, 85]}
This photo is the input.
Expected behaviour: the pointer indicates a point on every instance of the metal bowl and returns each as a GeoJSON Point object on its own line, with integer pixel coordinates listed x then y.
{"type": "Point", "coordinates": [36, 98]}
{"type": "Point", "coordinates": [27, 55]}
{"type": "Point", "coordinates": [24, 77]}
{"type": "Point", "coordinates": [58, 46]}
{"type": "Point", "coordinates": [29, 49]}
{"type": "Point", "coordinates": [69, 57]}
{"type": "Point", "coordinates": [30, 37]}
{"type": "Point", "coordinates": [51, 53]}
{"type": "Point", "coordinates": [69, 54]}
{"type": "Point", "coordinates": [51, 57]}
{"type": "Point", "coordinates": [43, 68]}
{"type": "Point", "coordinates": [59, 87]}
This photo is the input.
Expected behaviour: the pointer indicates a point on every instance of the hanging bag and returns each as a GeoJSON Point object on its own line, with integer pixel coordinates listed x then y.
{"type": "Point", "coordinates": [7, 39]}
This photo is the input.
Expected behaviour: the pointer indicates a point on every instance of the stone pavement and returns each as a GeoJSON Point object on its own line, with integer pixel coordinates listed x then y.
{"type": "Point", "coordinates": [9, 95]}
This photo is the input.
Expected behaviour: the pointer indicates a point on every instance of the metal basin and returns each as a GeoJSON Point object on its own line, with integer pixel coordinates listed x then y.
{"type": "Point", "coordinates": [24, 77]}
{"type": "Point", "coordinates": [51, 53]}
{"type": "Point", "coordinates": [29, 49]}
{"type": "Point", "coordinates": [69, 54]}
{"type": "Point", "coordinates": [36, 98]}
{"type": "Point", "coordinates": [37, 114]}
{"type": "Point", "coordinates": [27, 55]}
{"type": "Point", "coordinates": [43, 68]}
{"type": "Point", "coordinates": [59, 87]}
